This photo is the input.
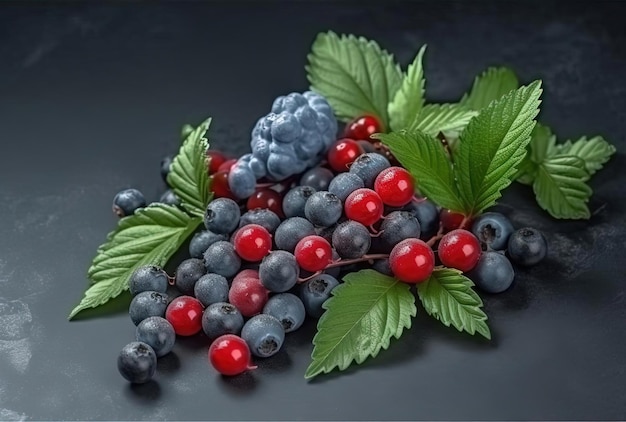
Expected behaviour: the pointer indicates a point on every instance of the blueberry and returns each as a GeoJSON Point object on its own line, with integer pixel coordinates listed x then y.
{"type": "Point", "coordinates": [264, 335]}
{"type": "Point", "coordinates": [137, 362]}
{"type": "Point", "coordinates": [166, 165]}
{"type": "Point", "coordinates": [201, 241]}
{"type": "Point", "coordinates": [221, 318]}
{"type": "Point", "coordinates": [158, 333]}
{"type": "Point", "coordinates": [148, 278]}
{"type": "Point", "coordinates": [383, 267]}
{"type": "Point", "coordinates": [211, 288]}
{"type": "Point", "coordinates": [222, 216]}
{"type": "Point", "coordinates": [261, 216]}
{"type": "Point", "coordinates": [397, 226]}
{"type": "Point", "coordinates": [295, 200]}
{"type": "Point", "coordinates": [323, 209]}
{"type": "Point", "coordinates": [221, 258]}
{"type": "Point", "coordinates": [367, 166]}
{"type": "Point", "coordinates": [427, 215]}
{"type": "Point", "coordinates": [127, 202]}
{"type": "Point", "coordinates": [527, 246]}
{"type": "Point", "coordinates": [241, 180]}
{"type": "Point", "coordinates": [334, 271]}
{"type": "Point", "coordinates": [188, 273]}
{"type": "Point", "coordinates": [344, 184]}
{"type": "Point", "coordinates": [367, 146]}
{"type": "Point", "coordinates": [493, 229]}
{"type": "Point", "coordinates": [291, 231]}
{"type": "Point", "coordinates": [318, 178]}
{"type": "Point", "coordinates": [279, 271]}
{"type": "Point", "coordinates": [315, 292]}
{"type": "Point", "coordinates": [169, 198]}
{"type": "Point", "coordinates": [493, 273]}
{"type": "Point", "coordinates": [147, 304]}
{"type": "Point", "coordinates": [288, 309]}
{"type": "Point", "coordinates": [351, 239]}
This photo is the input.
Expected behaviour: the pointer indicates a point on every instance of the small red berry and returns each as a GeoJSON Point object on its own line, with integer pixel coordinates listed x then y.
{"type": "Point", "coordinates": [343, 153]}
{"type": "Point", "coordinates": [268, 199]}
{"type": "Point", "coordinates": [459, 249]}
{"type": "Point", "coordinates": [362, 127]}
{"type": "Point", "coordinates": [249, 273]}
{"type": "Point", "coordinates": [220, 187]}
{"type": "Point", "coordinates": [216, 160]}
{"type": "Point", "coordinates": [412, 261]}
{"type": "Point", "coordinates": [185, 315]}
{"type": "Point", "coordinates": [313, 253]}
{"type": "Point", "coordinates": [227, 165]}
{"type": "Point", "coordinates": [450, 220]}
{"type": "Point", "coordinates": [248, 295]}
{"type": "Point", "coordinates": [252, 242]}
{"type": "Point", "coordinates": [230, 355]}
{"type": "Point", "coordinates": [395, 186]}
{"type": "Point", "coordinates": [365, 206]}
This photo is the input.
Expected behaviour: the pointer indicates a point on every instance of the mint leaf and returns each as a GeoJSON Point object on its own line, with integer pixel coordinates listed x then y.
{"type": "Point", "coordinates": [361, 317]}
{"type": "Point", "coordinates": [148, 237]}
{"type": "Point", "coordinates": [435, 118]}
{"type": "Point", "coordinates": [595, 152]}
{"type": "Point", "coordinates": [448, 296]}
{"type": "Point", "coordinates": [493, 145]}
{"type": "Point", "coordinates": [542, 144]}
{"type": "Point", "coordinates": [560, 187]}
{"type": "Point", "coordinates": [355, 75]}
{"type": "Point", "coordinates": [409, 99]}
{"type": "Point", "coordinates": [490, 85]}
{"type": "Point", "coordinates": [188, 176]}
{"type": "Point", "coordinates": [425, 158]}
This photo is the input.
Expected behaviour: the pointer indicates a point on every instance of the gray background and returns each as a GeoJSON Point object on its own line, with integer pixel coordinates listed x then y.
{"type": "Point", "coordinates": [92, 96]}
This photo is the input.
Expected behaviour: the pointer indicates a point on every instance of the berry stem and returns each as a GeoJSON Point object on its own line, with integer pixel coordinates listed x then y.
{"type": "Point", "coordinates": [344, 262]}
{"type": "Point", "coordinates": [464, 222]}
{"type": "Point", "coordinates": [431, 242]}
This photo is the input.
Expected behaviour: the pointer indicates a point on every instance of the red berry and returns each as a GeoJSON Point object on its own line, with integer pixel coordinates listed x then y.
{"type": "Point", "coordinates": [313, 253]}
{"type": "Point", "coordinates": [248, 295]}
{"type": "Point", "coordinates": [185, 315]}
{"type": "Point", "coordinates": [216, 160]}
{"type": "Point", "coordinates": [343, 153]}
{"type": "Point", "coordinates": [412, 261]}
{"type": "Point", "coordinates": [220, 187]}
{"type": "Point", "coordinates": [249, 273]}
{"type": "Point", "coordinates": [252, 242]}
{"type": "Point", "coordinates": [268, 199]}
{"type": "Point", "coordinates": [459, 249]}
{"type": "Point", "coordinates": [227, 165]}
{"type": "Point", "coordinates": [365, 206]}
{"type": "Point", "coordinates": [362, 127]}
{"type": "Point", "coordinates": [230, 355]}
{"type": "Point", "coordinates": [395, 186]}
{"type": "Point", "coordinates": [450, 220]}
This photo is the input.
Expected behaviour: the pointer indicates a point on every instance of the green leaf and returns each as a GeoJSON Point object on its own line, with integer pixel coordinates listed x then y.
{"type": "Point", "coordinates": [493, 145]}
{"type": "Point", "coordinates": [490, 85]}
{"type": "Point", "coordinates": [425, 158]}
{"type": "Point", "coordinates": [448, 296]}
{"type": "Point", "coordinates": [436, 118]}
{"type": "Point", "coordinates": [541, 145]}
{"type": "Point", "coordinates": [409, 99]}
{"type": "Point", "coordinates": [361, 317]}
{"type": "Point", "coordinates": [188, 175]}
{"type": "Point", "coordinates": [595, 151]}
{"type": "Point", "coordinates": [355, 75]}
{"type": "Point", "coordinates": [560, 187]}
{"type": "Point", "coordinates": [149, 237]}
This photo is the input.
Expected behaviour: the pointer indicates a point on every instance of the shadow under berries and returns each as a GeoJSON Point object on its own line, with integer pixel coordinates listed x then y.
{"type": "Point", "coordinates": [145, 393]}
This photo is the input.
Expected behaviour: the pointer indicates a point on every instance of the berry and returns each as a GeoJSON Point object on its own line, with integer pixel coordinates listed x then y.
{"type": "Point", "coordinates": [247, 273]}
{"type": "Point", "coordinates": [137, 362]}
{"type": "Point", "coordinates": [344, 184]}
{"type": "Point", "coordinates": [397, 226]}
{"type": "Point", "coordinates": [279, 271]}
{"type": "Point", "coordinates": [166, 165]}
{"type": "Point", "coordinates": [169, 198]}
{"type": "Point", "coordinates": [252, 242]}
{"type": "Point", "coordinates": [459, 249]}
{"type": "Point", "coordinates": [451, 220]}
{"type": "Point", "coordinates": [222, 216]}
{"type": "Point", "coordinates": [318, 178]}
{"type": "Point", "coordinates": [211, 288]}
{"type": "Point", "coordinates": [527, 246]}
{"type": "Point", "coordinates": [241, 179]}
{"type": "Point", "coordinates": [395, 186]}
{"type": "Point", "coordinates": [288, 309]}
{"type": "Point", "coordinates": [261, 216]}
{"type": "Point", "coordinates": [493, 229]}
{"type": "Point", "coordinates": [315, 292]}
{"type": "Point", "coordinates": [127, 202]}
{"type": "Point", "coordinates": [368, 166]}
{"type": "Point", "coordinates": [362, 127]}
{"type": "Point", "coordinates": [313, 253]}
{"type": "Point", "coordinates": [266, 199]}
{"type": "Point", "coordinates": [185, 315]}
{"type": "Point", "coordinates": [493, 273]}
{"type": "Point", "coordinates": [351, 239]}
{"type": "Point", "coordinates": [148, 278]}
{"type": "Point", "coordinates": [323, 209]}
{"type": "Point", "coordinates": [248, 295]}
{"type": "Point", "coordinates": [427, 215]}
{"type": "Point", "coordinates": [230, 355]}
{"type": "Point", "coordinates": [147, 304]}
{"type": "Point", "coordinates": [216, 159]}
{"type": "Point", "coordinates": [221, 318]}
{"type": "Point", "coordinates": [367, 146]}
{"type": "Point", "coordinates": [220, 187]}
{"type": "Point", "coordinates": [201, 241]}
{"type": "Point", "coordinates": [295, 200]}
{"type": "Point", "coordinates": [290, 231]}
{"type": "Point", "coordinates": [412, 261]}
{"type": "Point", "coordinates": [221, 258]}
{"type": "Point", "coordinates": [187, 274]}
{"type": "Point", "coordinates": [158, 333]}
{"type": "Point", "coordinates": [383, 267]}
{"type": "Point", "coordinates": [342, 154]}
{"type": "Point", "coordinates": [264, 335]}
{"type": "Point", "coordinates": [227, 165]}
{"type": "Point", "coordinates": [365, 206]}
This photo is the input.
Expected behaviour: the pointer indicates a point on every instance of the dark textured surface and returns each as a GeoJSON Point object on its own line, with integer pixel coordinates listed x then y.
{"type": "Point", "coordinates": [91, 99]}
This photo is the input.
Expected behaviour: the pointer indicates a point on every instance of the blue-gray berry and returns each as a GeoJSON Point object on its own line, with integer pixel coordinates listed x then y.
{"type": "Point", "coordinates": [188, 273]}
{"type": "Point", "coordinates": [158, 333]}
{"type": "Point", "coordinates": [137, 362]}
{"type": "Point", "coordinates": [221, 318]}
{"type": "Point", "coordinates": [211, 288]}
{"type": "Point", "coordinates": [148, 278]}
{"type": "Point", "coordinates": [222, 216]}
{"type": "Point", "coordinates": [264, 335]}
{"type": "Point", "coordinates": [201, 241]}
{"type": "Point", "coordinates": [288, 309]}
{"type": "Point", "coordinates": [127, 202]}
{"type": "Point", "coordinates": [221, 258]}
{"type": "Point", "coordinates": [147, 304]}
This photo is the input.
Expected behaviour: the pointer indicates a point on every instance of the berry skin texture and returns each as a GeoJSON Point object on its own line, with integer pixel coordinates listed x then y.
{"type": "Point", "coordinates": [201, 241]}
{"type": "Point", "coordinates": [188, 273]}
{"type": "Point", "coordinates": [295, 200]}
{"type": "Point", "coordinates": [365, 206]}
{"type": "Point", "coordinates": [262, 217]}
{"type": "Point", "coordinates": [315, 292]}
{"type": "Point", "coordinates": [185, 315]}
{"type": "Point", "coordinates": [148, 278]}
{"type": "Point", "coordinates": [248, 295]}
{"type": "Point", "coordinates": [527, 246]}
{"type": "Point", "coordinates": [344, 184]}
{"type": "Point", "coordinates": [221, 258]}
{"type": "Point", "coordinates": [220, 186]}
{"type": "Point", "coordinates": [221, 318]}
{"type": "Point", "coordinates": [216, 160]}
{"type": "Point", "coordinates": [127, 202]}
{"type": "Point", "coordinates": [158, 333]}
{"type": "Point", "coordinates": [169, 198]}
{"type": "Point", "coordinates": [362, 127]}
{"type": "Point", "coordinates": [279, 271]}
{"type": "Point", "coordinates": [264, 334]}
{"type": "Point", "coordinates": [313, 253]}
{"type": "Point", "coordinates": [290, 231]}
{"type": "Point", "coordinates": [211, 288]}
{"type": "Point", "coordinates": [222, 216]}
{"type": "Point", "coordinates": [137, 362]}
{"type": "Point", "coordinates": [288, 309]}
{"type": "Point", "coordinates": [318, 178]}
{"type": "Point", "coordinates": [459, 249]}
{"type": "Point", "coordinates": [493, 229]}
{"type": "Point", "coordinates": [266, 198]}
{"type": "Point", "coordinates": [450, 220]}
{"type": "Point", "coordinates": [427, 215]}
{"type": "Point", "coordinates": [343, 153]}
{"type": "Point", "coordinates": [368, 166]}
{"type": "Point", "coordinates": [397, 226]}
{"type": "Point", "coordinates": [351, 239]}
{"type": "Point", "coordinates": [493, 273]}
{"type": "Point", "coordinates": [230, 355]}
{"type": "Point", "coordinates": [147, 304]}
{"type": "Point", "coordinates": [252, 242]}
{"type": "Point", "coordinates": [412, 261]}
{"type": "Point", "coordinates": [323, 209]}
{"type": "Point", "coordinates": [395, 186]}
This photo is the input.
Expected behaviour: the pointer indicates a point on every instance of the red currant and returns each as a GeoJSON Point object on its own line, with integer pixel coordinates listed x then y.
{"type": "Point", "coordinates": [216, 160]}
{"type": "Point", "coordinates": [450, 220]}
{"type": "Point", "coordinates": [230, 355]}
{"type": "Point", "coordinates": [248, 295]}
{"type": "Point", "coordinates": [412, 261]}
{"type": "Point", "coordinates": [185, 315]}
{"type": "Point", "coordinates": [220, 187]}
{"type": "Point", "coordinates": [362, 127]}
{"type": "Point", "coordinates": [313, 253]}
{"type": "Point", "coordinates": [266, 198]}
{"type": "Point", "coordinates": [459, 249]}
{"type": "Point", "coordinates": [226, 165]}
{"type": "Point", "coordinates": [395, 186]}
{"type": "Point", "coordinates": [249, 273]}
{"type": "Point", "coordinates": [252, 242]}
{"type": "Point", "coordinates": [365, 206]}
{"type": "Point", "coordinates": [343, 153]}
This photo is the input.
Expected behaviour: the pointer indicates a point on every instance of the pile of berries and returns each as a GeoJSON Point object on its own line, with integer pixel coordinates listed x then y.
{"type": "Point", "coordinates": [267, 261]}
